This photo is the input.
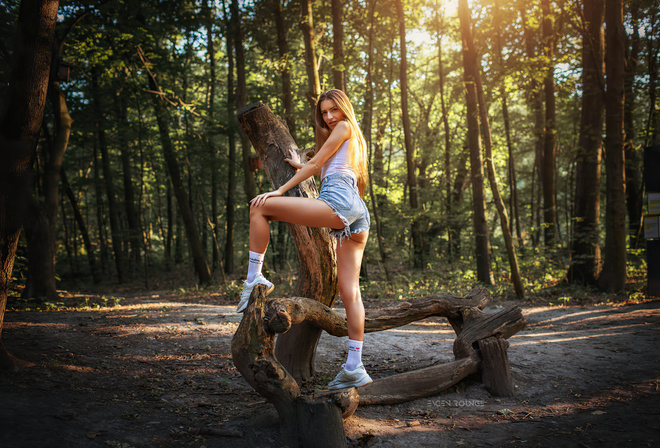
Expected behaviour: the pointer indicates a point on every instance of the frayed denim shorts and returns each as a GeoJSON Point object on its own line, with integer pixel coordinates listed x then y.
{"type": "Point", "coordinates": [340, 192]}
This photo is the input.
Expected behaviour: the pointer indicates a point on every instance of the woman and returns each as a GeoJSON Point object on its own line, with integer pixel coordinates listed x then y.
{"type": "Point", "coordinates": [342, 163]}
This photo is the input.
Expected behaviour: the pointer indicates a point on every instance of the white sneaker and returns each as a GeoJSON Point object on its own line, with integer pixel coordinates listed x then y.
{"type": "Point", "coordinates": [350, 378]}
{"type": "Point", "coordinates": [247, 290]}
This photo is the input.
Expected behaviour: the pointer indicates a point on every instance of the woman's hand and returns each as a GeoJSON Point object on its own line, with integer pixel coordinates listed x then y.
{"type": "Point", "coordinates": [293, 163]}
{"type": "Point", "coordinates": [261, 199]}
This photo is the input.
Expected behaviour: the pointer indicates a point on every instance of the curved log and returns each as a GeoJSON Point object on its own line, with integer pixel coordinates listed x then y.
{"type": "Point", "coordinates": [418, 383]}
{"type": "Point", "coordinates": [282, 313]}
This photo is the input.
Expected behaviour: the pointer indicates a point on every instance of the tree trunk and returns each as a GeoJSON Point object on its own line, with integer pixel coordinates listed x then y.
{"type": "Point", "coordinates": [633, 152]}
{"type": "Point", "coordinates": [475, 72]}
{"type": "Point", "coordinates": [550, 138]}
{"type": "Point", "coordinates": [41, 228]}
{"type": "Point", "coordinates": [585, 244]}
{"type": "Point", "coordinates": [241, 98]}
{"type": "Point", "coordinates": [338, 68]}
{"type": "Point", "coordinates": [613, 276]}
{"type": "Point", "coordinates": [212, 134]}
{"type": "Point", "coordinates": [307, 27]}
{"type": "Point", "coordinates": [283, 48]}
{"type": "Point", "coordinates": [536, 102]}
{"type": "Point", "coordinates": [318, 271]}
{"type": "Point", "coordinates": [407, 132]}
{"type": "Point", "coordinates": [100, 215]}
{"type": "Point", "coordinates": [189, 221]}
{"type": "Point", "coordinates": [91, 258]}
{"type": "Point", "coordinates": [231, 157]}
{"type": "Point", "coordinates": [482, 245]}
{"type": "Point", "coordinates": [19, 128]}
{"type": "Point", "coordinates": [366, 124]}
{"type": "Point", "coordinates": [445, 123]}
{"type": "Point", "coordinates": [134, 236]}
{"type": "Point", "coordinates": [115, 230]}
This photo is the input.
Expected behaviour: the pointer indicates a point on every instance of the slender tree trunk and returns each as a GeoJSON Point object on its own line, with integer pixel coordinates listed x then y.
{"type": "Point", "coordinates": [585, 245]}
{"type": "Point", "coordinates": [231, 165]}
{"type": "Point", "coordinates": [134, 236]}
{"type": "Point", "coordinates": [20, 122]}
{"type": "Point", "coordinates": [461, 181]}
{"type": "Point", "coordinates": [407, 132]}
{"type": "Point", "coordinates": [475, 70]}
{"type": "Point", "coordinates": [100, 215]}
{"type": "Point", "coordinates": [338, 68]}
{"type": "Point", "coordinates": [367, 123]}
{"type": "Point", "coordinates": [536, 101]}
{"type": "Point", "coordinates": [212, 134]}
{"type": "Point", "coordinates": [633, 152]}
{"type": "Point", "coordinates": [613, 276]}
{"type": "Point", "coordinates": [115, 226]}
{"type": "Point", "coordinates": [482, 246]}
{"type": "Point", "coordinates": [241, 98]}
{"type": "Point", "coordinates": [189, 222]}
{"type": "Point", "coordinates": [80, 221]}
{"type": "Point", "coordinates": [445, 122]}
{"type": "Point", "coordinates": [307, 27]}
{"type": "Point", "coordinates": [548, 159]}
{"type": "Point", "coordinates": [170, 227]}
{"type": "Point", "coordinates": [283, 48]}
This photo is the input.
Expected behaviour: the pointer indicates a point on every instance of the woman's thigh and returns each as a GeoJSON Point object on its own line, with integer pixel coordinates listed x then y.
{"type": "Point", "coordinates": [349, 260]}
{"type": "Point", "coordinates": [308, 212]}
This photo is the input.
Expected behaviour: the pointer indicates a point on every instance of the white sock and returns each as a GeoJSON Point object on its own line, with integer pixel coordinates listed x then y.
{"type": "Point", "coordinates": [354, 354]}
{"type": "Point", "coordinates": [256, 263]}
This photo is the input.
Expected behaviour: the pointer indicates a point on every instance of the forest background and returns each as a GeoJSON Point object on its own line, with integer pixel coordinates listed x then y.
{"type": "Point", "coordinates": [497, 137]}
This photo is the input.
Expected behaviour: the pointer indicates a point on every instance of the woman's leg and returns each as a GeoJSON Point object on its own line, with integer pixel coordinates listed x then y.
{"type": "Point", "coordinates": [349, 260]}
{"type": "Point", "coordinates": [304, 211]}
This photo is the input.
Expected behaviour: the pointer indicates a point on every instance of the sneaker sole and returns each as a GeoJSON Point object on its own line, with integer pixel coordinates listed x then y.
{"type": "Point", "coordinates": [268, 291]}
{"type": "Point", "coordinates": [351, 384]}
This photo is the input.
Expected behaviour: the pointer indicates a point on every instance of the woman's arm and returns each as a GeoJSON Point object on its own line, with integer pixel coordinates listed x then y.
{"type": "Point", "coordinates": [339, 135]}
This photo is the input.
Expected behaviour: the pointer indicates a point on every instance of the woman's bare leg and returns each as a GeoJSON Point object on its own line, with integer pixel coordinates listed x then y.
{"type": "Point", "coordinates": [304, 211]}
{"type": "Point", "coordinates": [349, 260]}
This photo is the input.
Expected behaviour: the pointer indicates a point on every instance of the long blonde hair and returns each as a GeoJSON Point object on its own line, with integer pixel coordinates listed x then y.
{"type": "Point", "coordinates": [358, 156]}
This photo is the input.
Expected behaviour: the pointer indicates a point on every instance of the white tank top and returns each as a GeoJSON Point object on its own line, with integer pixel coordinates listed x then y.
{"type": "Point", "coordinates": [339, 162]}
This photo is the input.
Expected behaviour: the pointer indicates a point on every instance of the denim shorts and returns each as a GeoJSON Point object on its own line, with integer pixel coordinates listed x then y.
{"type": "Point", "coordinates": [340, 192]}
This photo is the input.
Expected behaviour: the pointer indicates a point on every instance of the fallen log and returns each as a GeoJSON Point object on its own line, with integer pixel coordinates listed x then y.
{"type": "Point", "coordinates": [283, 313]}
{"type": "Point", "coordinates": [418, 383]}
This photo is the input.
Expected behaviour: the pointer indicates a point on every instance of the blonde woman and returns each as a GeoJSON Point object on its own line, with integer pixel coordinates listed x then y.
{"type": "Point", "coordinates": [341, 161]}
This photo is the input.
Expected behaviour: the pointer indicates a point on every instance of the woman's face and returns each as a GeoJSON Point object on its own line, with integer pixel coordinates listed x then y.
{"type": "Point", "coordinates": [331, 113]}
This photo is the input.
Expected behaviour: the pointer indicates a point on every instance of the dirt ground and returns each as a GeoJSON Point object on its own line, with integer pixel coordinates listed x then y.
{"type": "Point", "coordinates": [156, 371]}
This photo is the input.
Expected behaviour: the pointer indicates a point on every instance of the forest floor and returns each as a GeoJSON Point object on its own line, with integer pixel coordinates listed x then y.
{"type": "Point", "coordinates": [154, 369]}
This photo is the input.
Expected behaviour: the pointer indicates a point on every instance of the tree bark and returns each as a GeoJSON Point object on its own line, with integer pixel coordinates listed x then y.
{"type": "Point", "coordinates": [445, 123]}
{"type": "Point", "coordinates": [633, 152]}
{"type": "Point", "coordinates": [190, 223]}
{"type": "Point", "coordinates": [283, 48]}
{"type": "Point", "coordinates": [407, 132]}
{"type": "Point", "coordinates": [548, 160]}
{"type": "Point", "coordinates": [212, 135]}
{"type": "Point", "coordinates": [80, 221]}
{"type": "Point", "coordinates": [307, 27]}
{"type": "Point", "coordinates": [482, 244]}
{"type": "Point", "coordinates": [318, 271]}
{"type": "Point", "coordinates": [231, 157]}
{"type": "Point", "coordinates": [19, 128]}
{"type": "Point", "coordinates": [536, 103]}
{"type": "Point", "coordinates": [613, 276]}
{"type": "Point", "coordinates": [241, 98]}
{"type": "Point", "coordinates": [338, 68]}
{"type": "Point", "coordinates": [134, 236]}
{"type": "Point", "coordinates": [585, 244]}
{"type": "Point", "coordinates": [115, 227]}
{"type": "Point", "coordinates": [475, 72]}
